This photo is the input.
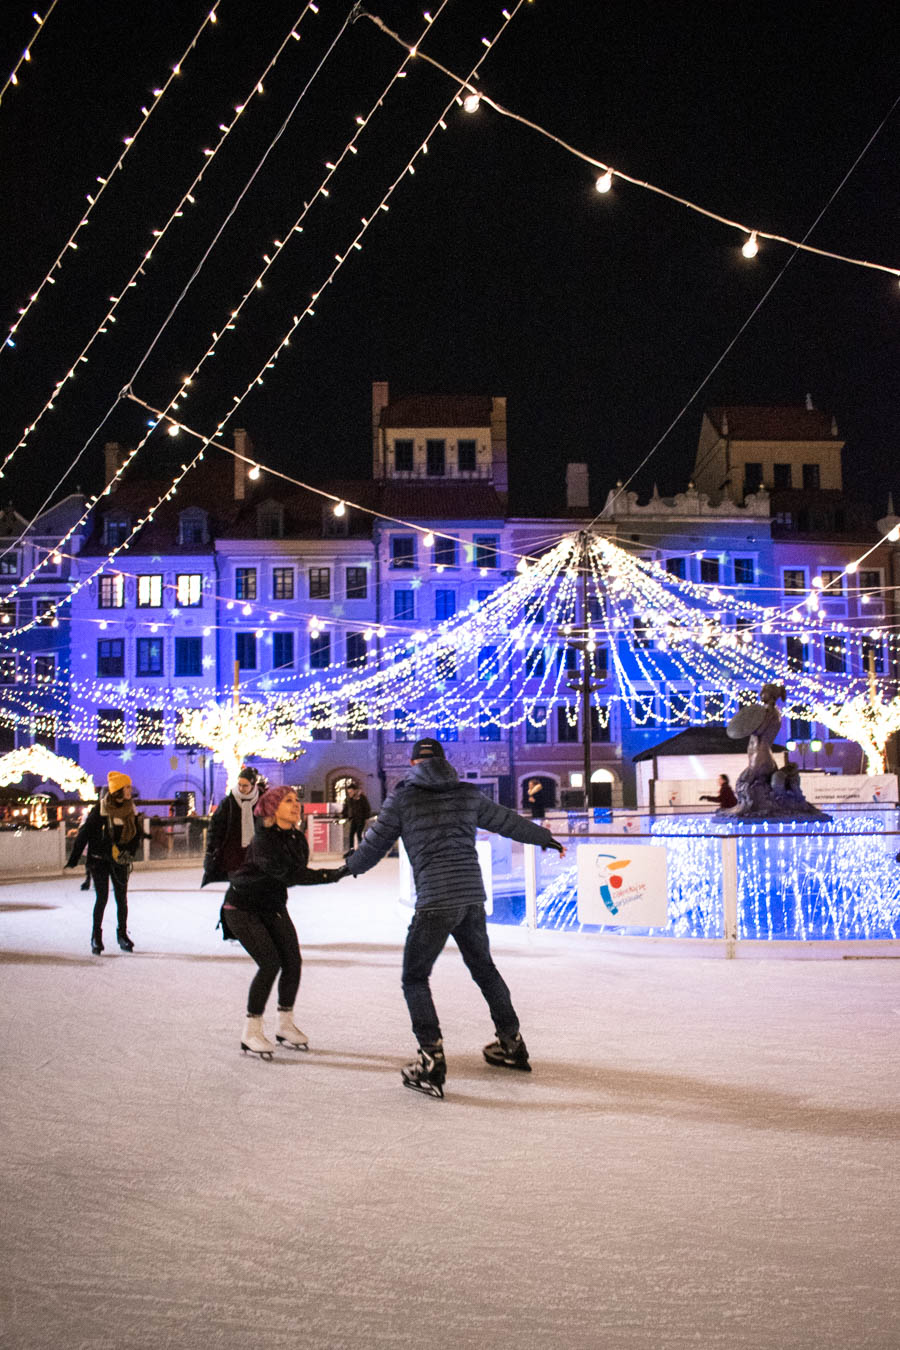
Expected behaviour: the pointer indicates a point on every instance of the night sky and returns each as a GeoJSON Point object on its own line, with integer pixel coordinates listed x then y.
{"type": "Point", "coordinates": [498, 269]}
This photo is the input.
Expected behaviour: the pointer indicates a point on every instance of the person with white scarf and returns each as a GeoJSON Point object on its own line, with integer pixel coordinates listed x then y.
{"type": "Point", "coordinates": [231, 827]}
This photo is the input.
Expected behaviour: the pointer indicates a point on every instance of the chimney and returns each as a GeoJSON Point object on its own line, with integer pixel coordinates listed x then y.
{"type": "Point", "coordinates": [498, 446]}
{"type": "Point", "coordinates": [381, 396]}
{"type": "Point", "coordinates": [577, 487]}
{"type": "Point", "coordinates": [112, 461]}
{"type": "Point", "coordinates": [244, 446]}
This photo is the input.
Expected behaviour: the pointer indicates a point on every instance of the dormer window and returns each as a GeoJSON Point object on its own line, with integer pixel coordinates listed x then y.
{"type": "Point", "coordinates": [435, 458]}
{"type": "Point", "coordinates": [403, 456]}
{"type": "Point", "coordinates": [116, 529]}
{"type": "Point", "coordinates": [270, 520]}
{"type": "Point", "coordinates": [334, 527]}
{"type": "Point", "coordinates": [193, 527]}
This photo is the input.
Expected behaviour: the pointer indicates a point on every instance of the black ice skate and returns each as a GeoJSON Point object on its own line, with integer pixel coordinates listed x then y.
{"type": "Point", "coordinates": [96, 944]}
{"type": "Point", "coordinates": [125, 942]}
{"type": "Point", "coordinates": [427, 1071]}
{"type": "Point", "coordinates": [508, 1054]}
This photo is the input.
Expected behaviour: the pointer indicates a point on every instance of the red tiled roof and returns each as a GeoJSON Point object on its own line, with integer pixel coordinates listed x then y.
{"type": "Point", "coordinates": [773, 423]}
{"type": "Point", "coordinates": [438, 410]}
{"type": "Point", "coordinates": [468, 500]}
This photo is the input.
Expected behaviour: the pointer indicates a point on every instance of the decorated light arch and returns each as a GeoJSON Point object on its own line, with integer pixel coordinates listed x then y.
{"type": "Point", "coordinates": [47, 766]}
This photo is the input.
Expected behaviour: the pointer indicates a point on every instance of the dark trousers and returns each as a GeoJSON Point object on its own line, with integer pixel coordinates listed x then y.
{"type": "Point", "coordinates": [102, 872]}
{"type": "Point", "coordinates": [271, 939]}
{"type": "Point", "coordinates": [357, 830]}
{"type": "Point", "coordinates": [427, 936]}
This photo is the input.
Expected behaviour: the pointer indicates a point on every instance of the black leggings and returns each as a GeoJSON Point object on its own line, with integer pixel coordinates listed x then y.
{"type": "Point", "coordinates": [101, 873]}
{"type": "Point", "coordinates": [271, 940]}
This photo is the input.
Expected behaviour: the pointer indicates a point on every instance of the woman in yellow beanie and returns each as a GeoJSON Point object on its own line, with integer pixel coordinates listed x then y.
{"type": "Point", "coordinates": [112, 835]}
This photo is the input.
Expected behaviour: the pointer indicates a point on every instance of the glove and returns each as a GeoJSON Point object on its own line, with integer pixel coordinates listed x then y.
{"type": "Point", "coordinates": [71, 863]}
{"type": "Point", "coordinates": [553, 844]}
{"type": "Point", "coordinates": [329, 874]}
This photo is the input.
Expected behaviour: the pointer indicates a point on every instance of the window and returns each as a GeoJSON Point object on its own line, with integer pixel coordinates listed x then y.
{"type": "Point", "coordinates": [444, 604]}
{"type": "Point", "coordinates": [269, 521]}
{"type": "Point", "coordinates": [7, 613]}
{"type": "Point", "coordinates": [870, 583]}
{"type": "Point", "coordinates": [677, 567]}
{"type": "Point", "coordinates": [319, 650]}
{"type": "Point", "coordinates": [333, 526]}
{"type": "Point", "coordinates": [785, 518]}
{"type": "Point", "coordinates": [872, 654]}
{"type": "Point", "coordinates": [835, 655]}
{"type": "Point", "coordinates": [8, 669]}
{"type": "Point", "coordinates": [116, 530]}
{"type": "Point", "coordinates": [485, 550]}
{"type": "Point", "coordinates": [357, 580]}
{"type": "Point", "coordinates": [445, 664]}
{"type": "Point", "coordinates": [319, 714]}
{"type": "Point", "coordinates": [192, 527]}
{"type": "Point", "coordinates": [111, 656]}
{"type": "Point", "coordinates": [447, 731]}
{"type": "Point", "coordinates": [149, 729]}
{"type": "Point", "coordinates": [567, 656]}
{"type": "Point", "coordinates": [535, 664]}
{"type": "Point", "coordinates": [245, 583]}
{"type": "Point", "coordinates": [709, 571]}
{"type": "Point", "coordinates": [600, 725]}
{"type": "Point", "coordinates": [489, 724]}
{"type": "Point", "coordinates": [680, 708]}
{"type": "Point", "coordinates": [833, 579]}
{"type": "Point", "coordinates": [44, 669]}
{"type": "Point", "coordinates": [403, 550]}
{"type": "Point", "coordinates": [794, 580]}
{"type": "Point", "coordinates": [488, 664]}
{"type": "Point", "coordinates": [600, 663]}
{"type": "Point", "coordinates": [149, 591]}
{"type": "Point", "coordinates": [403, 456]}
{"type": "Point", "coordinates": [536, 725]}
{"type": "Point", "coordinates": [404, 604]}
{"type": "Point", "coordinates": [466, 456]}
{"type": "Point", "coordinates": [45, 730]}
{"type": "Point", "coordinates": [320, 583]}
{"type": "Point", "coordinates": [781, 475]}
{"type": "Point", "coordinates": [189, 589]}
{"type": "Point", "coordinates": [744, 572]}
{"type": "Point", "coordinates": [282, 650]}
{"type": "Point", "coordinates": [283, 583]}
{"type": "Point", "coordinates": [357, 650]}
{"type": "Point", "coordinates": [357, 722]}
{"type": "Point", "coordinates": [643, 711]}
{"type": "Point", "coordinates": [9, 564]}
{"type": "Point", "coordinates": [566, 731]}
{"type": "Point", "coordinates": [714, 705]}
{"type": "Point", "coordinates": [44, 611]}
{"type": "Point", "coordinates": [245, 650]}
{"type": "Point", "coordinates": [811, 477]}
{"type": "Point", "coordinates": [184, 739]}
{"type": "Point", "coordinates": [150, 656]}
{"type": "Point", "coordinates": [111, 592]}
{"type": "Point", "coordinates": [188, 655]}
{"type": "Point", "coordinates": [801, 727]}
{"type": "Point", "coordinates": [484, 596]}
{"type": "Point", "coordinates": [404, 726]}
{"type": "Point", "coordinates": [753, 476]}
{"type": "Point", "coordinates": [446, 552]}
{"type": "Point", "coordinates": [795, 650]}
{"type": "Point", "coordinates": [110, 729]}
{"type": "Point", "coordinates": [435, 458]}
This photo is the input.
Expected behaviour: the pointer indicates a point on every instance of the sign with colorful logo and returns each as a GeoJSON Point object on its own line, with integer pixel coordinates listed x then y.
{"type": "Point", "coordinates": [624, 887]}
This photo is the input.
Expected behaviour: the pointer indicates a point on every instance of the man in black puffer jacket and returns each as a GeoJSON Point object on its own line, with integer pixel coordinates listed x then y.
{"type": "Point", "coordinates": [437, 816]}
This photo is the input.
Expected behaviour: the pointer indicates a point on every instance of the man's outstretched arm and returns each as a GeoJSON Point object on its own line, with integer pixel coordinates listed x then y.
{"type": "Point", "coordinates": [378, 839]}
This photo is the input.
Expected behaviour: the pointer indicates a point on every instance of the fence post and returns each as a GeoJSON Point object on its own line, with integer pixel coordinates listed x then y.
{"type": "Point", "coordinates": [730, 894]}
{"type": "Point", "coordinates": [530, 865]}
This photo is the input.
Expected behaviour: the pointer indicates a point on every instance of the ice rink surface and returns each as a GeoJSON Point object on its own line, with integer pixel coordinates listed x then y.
{"type": "Point", "coordinates": [705, 1155]}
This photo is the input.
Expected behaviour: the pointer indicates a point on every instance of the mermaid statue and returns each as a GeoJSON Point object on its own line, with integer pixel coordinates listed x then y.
{"type": "Point", "coordinates": [765, 792]}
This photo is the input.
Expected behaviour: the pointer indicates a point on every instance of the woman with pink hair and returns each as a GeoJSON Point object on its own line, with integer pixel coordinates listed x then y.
{"type": "Point", "coordinates": [255, 912]}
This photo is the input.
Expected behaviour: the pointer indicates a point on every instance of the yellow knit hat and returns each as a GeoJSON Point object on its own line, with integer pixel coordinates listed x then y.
{"type": "Point", "coordinates": [116, 781]}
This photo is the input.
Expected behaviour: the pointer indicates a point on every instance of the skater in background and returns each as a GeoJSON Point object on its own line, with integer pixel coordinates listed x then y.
{"type": "Point", "coordinates": [356, 810]}
{"type": "Point", "coordinates": [112, 834]}
{"type": "Point", "coordinates": [437, 816]}
{"type": "Point", "coordinates": [255, 912]}
{"type": "Point", "coordinates": [725, 796]}
{"type": "Point", "coordinates": [535, 794]}
{"type": "Point", "coordinates": [231, 827]}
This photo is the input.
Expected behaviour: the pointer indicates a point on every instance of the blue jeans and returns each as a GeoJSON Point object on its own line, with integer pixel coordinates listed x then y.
{"type": "Point", "coordinates": [427, 936]}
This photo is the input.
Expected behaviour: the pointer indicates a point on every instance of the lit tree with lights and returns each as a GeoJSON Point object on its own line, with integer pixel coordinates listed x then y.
{"type": "Point", "coordinates": [869, 719]}
{"type": "Point", "coordinates": [235, 732]}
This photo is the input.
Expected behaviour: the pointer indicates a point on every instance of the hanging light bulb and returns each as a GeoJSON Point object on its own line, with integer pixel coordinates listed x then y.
{"type": "Point", "coordinates": [340, 509]}
{"type": "Point", "coordinates": [428, 540]}
{"type": "Point", "coordinates": [254, 472]}
{"type": "Point", "coordinates": [751, 247]}
{"type": "Point", "coordinates": [174, 429]}
{"type": "Point", "coordinates": [894, 534]}
{"type": "Point", "coordinates": [818, 583]}
{"type": "Point", "coordinates": [604, 182]}
{"type": "Point", "coordinates": [247, 610]}
{"type": "Point", "coordinates": [522, 566]}
{"type": "Point", "coordinates": [471, 102]}
{"type": "Point", "coordinates": [851, 568]}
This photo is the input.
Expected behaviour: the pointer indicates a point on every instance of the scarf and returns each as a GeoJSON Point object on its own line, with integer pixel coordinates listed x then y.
{"type": "Point", "coordinates": [121, 813]}
{"type": "Point", "coordinates": [246, 804]}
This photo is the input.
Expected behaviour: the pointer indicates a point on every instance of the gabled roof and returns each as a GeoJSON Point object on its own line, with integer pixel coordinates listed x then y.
{"type": "Point", "coordinates": [708, 740]}
{"type": "Point", "coordinates": [773, 423]}
{"type": "Point", "coordinates": [437, 410]}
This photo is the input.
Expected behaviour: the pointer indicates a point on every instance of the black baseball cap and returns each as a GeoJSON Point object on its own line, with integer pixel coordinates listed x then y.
{"type": "Point", "coordinates": [428, 748]}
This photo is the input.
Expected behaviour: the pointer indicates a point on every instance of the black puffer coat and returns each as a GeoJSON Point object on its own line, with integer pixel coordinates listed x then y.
{"type": "Point", "coordinates": [276, 859]}
{"type": "Point", "coordinates": [436, 816]}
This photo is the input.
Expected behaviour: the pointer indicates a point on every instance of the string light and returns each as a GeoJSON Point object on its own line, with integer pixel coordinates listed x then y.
{"type": "Point", "coordinates": [25, 58]}
{"type": "Point", "coordinates": [605, 181]}
{"type": "Point", "coordinates": [751, 247]}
